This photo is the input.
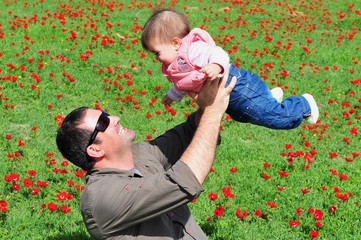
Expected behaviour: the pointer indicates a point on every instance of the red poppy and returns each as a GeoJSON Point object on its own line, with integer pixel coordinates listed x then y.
{"type": "Point", "coordinates": [314, 234]}
{"type": "Point", "coordinates": [311, 210]}
{"type": "Point", "coordinates": [213, 196]}
{"type": "Point", "coordinates": [79, 188]}
{"type": "Point", "coordinates": [258, 213]}
{"type": "Point", "coordinates": [219, 211]}
{"type": "Point", "coordinates": [324, 188]}
{"type": "Point", "coordinates": [304, 191]}
{"type": "Point", "coordinates": [233, 170]}
{"type": "Point", "coordinates": [15, 177]}
{"type": "Point", "coordinates": [354, 154]}
{"type": "Point", "coordinates": [343, 197]}
{"type": "Point", "coordinates": [343, 177]}
{"type": "Point", "coordinates": [28, 182]}
{"type": "Point", "coordinates": [266, 176]}
{"type": "Point", "coordinates": [318, 224]}
{"type": "Point", "coordinates": [52, 206]}
{"type": "Point", "coordinates": [227, 193]}
{"type": "Point", "coordinates": [318, 215]}
{"type": "Point", "coordinates": [65, 163]}
{"type": "Point", "coordinates": [42, 184]}
{"type": "Point", "coordinates": [34, 191]}
{"type": "Point", "coordinates": [299, 211]}
{"type": "Point", "coordinates": [266, 165]}
{"type": "Point", "coordinates": [272, 204]}
{"type": "Point", "coordinates": [333, 209]}
{"type": "Point", "coordinates": [240, 215]}
{"type": "Point", "coordinates": [8, 178]}
{"type": "Point", "coordinates": [65, 209]}
{"type": "Point", "coordinates": [21, 143]}
{"type": "Point", "coordinates": [79, 174]}
{"type": "Point", "coordinates": [353, 131]}
{"type": "Point", "coordinates": [62, 196]}
{"type": "Point", "coordinates": [309, 158]}
{"type": "Point", "coordinates": [294, 223]}
{"type": "Point", "coordinates": [16, 186]}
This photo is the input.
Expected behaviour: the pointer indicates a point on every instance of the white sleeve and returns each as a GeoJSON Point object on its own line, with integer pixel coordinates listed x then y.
{"type": "Point", "coordinates": [201, 54]}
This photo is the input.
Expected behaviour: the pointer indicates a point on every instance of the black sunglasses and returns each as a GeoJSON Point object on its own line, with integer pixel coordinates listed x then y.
{"type": "Point", "coordinates": [102, 125]}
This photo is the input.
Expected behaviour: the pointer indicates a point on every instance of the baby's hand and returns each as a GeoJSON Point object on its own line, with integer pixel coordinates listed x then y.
{"type": "Point", "coordinates": [212, 70]}
{"type": "Point", "coordinates": [167, 101]}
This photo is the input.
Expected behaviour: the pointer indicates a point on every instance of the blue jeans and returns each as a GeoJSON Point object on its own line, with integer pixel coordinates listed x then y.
{"type": "Point", "coordinates": [251, 101]}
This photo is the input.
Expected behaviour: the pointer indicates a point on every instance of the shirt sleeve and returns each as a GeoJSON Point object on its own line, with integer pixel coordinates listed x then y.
{"type": "Point", "coordinates": [175, 94]}
{"type": "Point", "coordinates": [174, 142]}
{"type": "Point", "coordinates": [202, 54]}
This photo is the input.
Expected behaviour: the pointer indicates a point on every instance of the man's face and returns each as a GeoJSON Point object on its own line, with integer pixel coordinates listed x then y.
{"type": "Point", "coordinates": [115, 138]}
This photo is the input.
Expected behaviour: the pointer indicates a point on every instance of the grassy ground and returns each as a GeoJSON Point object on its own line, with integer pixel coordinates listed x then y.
{"type": "Point", "coordinates": [59, 55]}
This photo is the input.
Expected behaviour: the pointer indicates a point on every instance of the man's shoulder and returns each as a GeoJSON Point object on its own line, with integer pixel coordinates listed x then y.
{"type": "Point", "coordinates": [103, 186]}
{"type": "Point", "coordinates": [147, 157]}
{"type": "Point", "coordinates": [145, 150]}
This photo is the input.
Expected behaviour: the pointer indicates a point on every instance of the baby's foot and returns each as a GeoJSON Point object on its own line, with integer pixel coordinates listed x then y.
{"type": "Point", "coordinates": [312, 119]}
{"type": "Point", "coordinates": [277, 93]}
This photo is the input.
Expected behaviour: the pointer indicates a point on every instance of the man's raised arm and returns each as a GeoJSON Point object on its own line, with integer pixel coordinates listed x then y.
{"type": "Point", "coordinates": [213, 101]}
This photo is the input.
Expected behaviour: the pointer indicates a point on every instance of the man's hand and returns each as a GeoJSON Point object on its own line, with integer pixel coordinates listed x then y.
{"type": "Point", "coordinates": [212, 70]}
{"type": "Point", "coordinates": [214, 95]}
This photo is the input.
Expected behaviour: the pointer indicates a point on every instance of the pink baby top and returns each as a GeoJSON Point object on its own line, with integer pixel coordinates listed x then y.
{"type": "Point", "coordinates": [197, 50]}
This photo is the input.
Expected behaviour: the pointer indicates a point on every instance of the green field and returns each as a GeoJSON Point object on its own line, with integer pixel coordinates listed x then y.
{"type": "Point", "coordinates": [296, 184]}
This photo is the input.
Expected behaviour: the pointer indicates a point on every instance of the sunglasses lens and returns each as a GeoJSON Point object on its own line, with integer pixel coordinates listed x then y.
{"type": "Point", "coordinates": [102, 125]}
{"type": "Point", "coordinates": [103, 122]}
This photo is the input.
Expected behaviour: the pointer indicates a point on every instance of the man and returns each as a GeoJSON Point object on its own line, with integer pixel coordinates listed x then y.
{"type": "Point", "coordinates": [140, 191]}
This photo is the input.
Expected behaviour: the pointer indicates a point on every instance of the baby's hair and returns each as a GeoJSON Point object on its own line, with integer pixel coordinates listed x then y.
{"type": "Point", "coordinates": [164, 25]}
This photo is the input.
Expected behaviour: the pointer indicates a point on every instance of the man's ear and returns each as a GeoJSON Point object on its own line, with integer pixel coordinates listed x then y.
{"type": "Point", "coordinates": [94, 152]}
{"type": "Point", "coordinates": [176, 42]}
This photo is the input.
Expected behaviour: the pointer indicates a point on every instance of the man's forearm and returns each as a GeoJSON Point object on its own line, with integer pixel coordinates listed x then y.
{"type": "Point", "coordinates": [199, 155]}
{"type": "Point", "coordinates": [213, 100]}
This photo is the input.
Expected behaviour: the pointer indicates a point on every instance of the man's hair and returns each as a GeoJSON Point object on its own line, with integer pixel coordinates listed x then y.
{"type": "Point", "coordinates": [164, 25]}
{"type": "Point", "coordinates": [73, 141]}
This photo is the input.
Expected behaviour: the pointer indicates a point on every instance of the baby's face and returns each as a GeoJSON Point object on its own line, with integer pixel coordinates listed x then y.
{"type": "Point", "coordinates": [164, 52]}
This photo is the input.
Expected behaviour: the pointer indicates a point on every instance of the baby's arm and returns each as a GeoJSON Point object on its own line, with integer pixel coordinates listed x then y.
{"type": "Point", "coordinates": [212, 60]}
{"type": "Point", "coordinates": [167, 100]}
{"type": "Point", "coordinates": [173, 95]}
{"type": "Point", "coordinates": [212, 70]}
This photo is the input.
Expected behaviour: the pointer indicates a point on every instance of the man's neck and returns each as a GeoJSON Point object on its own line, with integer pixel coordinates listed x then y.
{"type": "Point", "coordinates": [124, 162]}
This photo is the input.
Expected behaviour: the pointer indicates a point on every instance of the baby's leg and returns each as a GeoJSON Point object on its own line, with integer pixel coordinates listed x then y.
{"type": "Point", "coordinates": [251, 101]}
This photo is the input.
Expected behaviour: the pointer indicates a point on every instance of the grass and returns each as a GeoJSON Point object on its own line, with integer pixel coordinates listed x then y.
{"type": "Point", "coordinates": [39, 62]}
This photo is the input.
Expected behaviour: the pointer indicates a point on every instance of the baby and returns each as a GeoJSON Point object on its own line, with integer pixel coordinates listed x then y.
{"type": "Point", "coordinates": [190, 57]}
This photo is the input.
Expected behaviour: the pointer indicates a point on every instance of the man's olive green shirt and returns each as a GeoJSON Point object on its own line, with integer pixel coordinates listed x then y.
{"type": "Point", "coordinates": [118, 204]}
